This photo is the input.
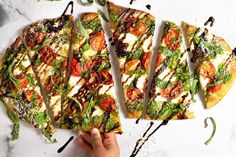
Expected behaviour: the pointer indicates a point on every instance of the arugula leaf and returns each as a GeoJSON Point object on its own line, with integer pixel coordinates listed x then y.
{"type": "Point", "coordinates": [85, 47]}
{"type": "Point", "coordinates": [81, 29]}
{"type": "Point", "coordinates": [165, 51]}
{"type": "Point", "coordinates": [41, 118]}
{"type": "Point", "coordinates": [102, 15]}
{"type": "Point", "coordinates": [12, 78]}
{"type": "Point", "coordinates": [161, 83]}
{"type": "Point", "coordinates": [48, 135]}
{"type": "Point", "coordinates": [16, 125]}
{"type": "Point", "coordinates": [169, 109]}
{"type": "Point", "coordinates": [213, 131]}
{"type": "Point", "coordinates": [102, 2]}
{"type": "Point", "coordinates": [30, 79]}
{"type": "Point", "coordinates": [153, 109]}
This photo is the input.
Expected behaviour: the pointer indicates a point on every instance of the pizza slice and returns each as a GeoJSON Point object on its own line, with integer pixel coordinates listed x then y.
{"type": "Point", "coordinates": [91, 99]}
{"type": "Point", "coordinates": [19, 89]}
{"type": "Point", "coordinates": [215, 63]}
{"type": "Point", "coordinates": [170, 90]}
{"type": "Point", "coordinates": [48, 42]}
{"type": "Point", "coordinates": [132, 33]}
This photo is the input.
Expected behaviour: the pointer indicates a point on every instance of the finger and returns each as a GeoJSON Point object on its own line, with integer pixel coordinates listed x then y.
{"type": "Point", "coordinates": [86, 137]}
{"type": "Point", "coordinates": [85, 146]}
{"type": "Point", "coordinates": [110, 140]}
{"type": "Point", "coordinates": [96, 139]}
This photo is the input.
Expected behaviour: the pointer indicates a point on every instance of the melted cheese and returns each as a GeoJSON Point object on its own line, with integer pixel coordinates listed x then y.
{"type": "Point", "coordinates": [141, 82]}
{"type": "Point", "coordinates": [87, 54]}
{"type": "Point", "coordinates": [146, 44]}
{"type": "Point", "coordinates": [98, 111]}
{"type": "Point", "coordinates": [130, 79]}
{"type": "Point", "coordinates": [130, 39]}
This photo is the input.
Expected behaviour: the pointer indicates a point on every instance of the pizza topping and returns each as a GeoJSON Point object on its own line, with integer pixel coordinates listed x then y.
{"type": "Point", "coordinates": [107, 103]}
{"type": "Point", "coordinates": [31, 95]}
{"type": "Point", "coordinates": [92, 82]}
{"type": "Point", "coordinates": [48, 55]}
{"type": "Point", "coordinates": [97, 41]}
{"type": "Point", "coordinates": [159, 60]}
{"type": "Point", "coordinates": [174, 92]}
{"type": "Point", "coordinates": [93, 63]}
{"type": "Point", "coordinates": [171, 39]}
{"type": "Point", "coordinates": [75, 69]}
{"type": "Point", "coordinates": [207, 69]}
{"type": "Point", "coordinates": [17, 44]}
{"type": "Point", "coordinates": [214, 89]}
{"type": "Point", "coordinates": [33, 39]}
{"type": "Point", "coordinates": [134, 94]}
{"type": "Point", "coordinates": [74, 107]}
{"type": "Point", "coordinates": [131, 66]}
{"type": "Point", "coordinates": [105, 77]}
{"type": "Point", "coordinates": [136, 28]}
{"type": "Point", "coordinates": [23, 83]}
{"type": "Point", "coordinates": [146, 60]}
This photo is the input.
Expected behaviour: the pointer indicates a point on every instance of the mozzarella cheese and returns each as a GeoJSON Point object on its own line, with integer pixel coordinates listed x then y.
{"type": "Point", "coordinates": [97, 112]}
{"type": "Point", "coordinates": [141, 82]}
{"type": "Point", "coordinates": [146, 44]}
{"type": "Point", "coordinates": [130, 39]}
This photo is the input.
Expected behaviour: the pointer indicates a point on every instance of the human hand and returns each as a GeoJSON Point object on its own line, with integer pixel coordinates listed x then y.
{"type": "Point", "coordinates": [99, 145]}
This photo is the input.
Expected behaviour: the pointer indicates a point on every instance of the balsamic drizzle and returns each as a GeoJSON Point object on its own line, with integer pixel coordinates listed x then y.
{"type": "Point", "coordinates": [234, 51]}
{"type": "Point", "coordinates": [211, 20]}
{"type": "Point", "coordinates": [72, 8]}
{"type": "Point", "coordinates": [66, 144]}
{"type": "Point", "coordinates": [148, 7]}
{"type": "Point", "coordinates": [131, 2]}
{"type": "Point", "coordinates": [138, 147]}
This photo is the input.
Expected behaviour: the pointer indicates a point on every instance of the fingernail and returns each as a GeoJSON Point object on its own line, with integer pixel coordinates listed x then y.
{"type": "Point", "coordinates": [81, 133]}
{"type": "Point", "coordinates": [94, 131]}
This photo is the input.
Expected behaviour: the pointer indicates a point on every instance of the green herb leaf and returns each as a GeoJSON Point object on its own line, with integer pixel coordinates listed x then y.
{"type": "Point", "coordinates": [81, 29]}
{"type": "Point", "coordinates": [85, 47]}
{"type": "Point", "coordinates": [12, 78]}
{"type": "Point", "coordinates": [16, 125]}
{"type": "Point", "coordinates": [213, 131]}
{"type": "Point", "coordinates": [165, 51]}
{"type": "Point", "coordinates": [153, 109]}
{"type": "Point", "coordinates": [30, 79]}
{"type": "Point", "coordinates": [86, 2]}
{"type": "Point", "coordinates": [102, 2]}
{"type": "Point", "coordinates": [161, 83]}
{"type": "Point", "coordinates": [169, 109]}
{"type": "Point", "coordinates": [102, 15]}
{"type": "Point", "coordinates": [41, 118]}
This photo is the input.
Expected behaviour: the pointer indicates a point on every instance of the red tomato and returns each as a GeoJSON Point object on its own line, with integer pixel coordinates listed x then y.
{"type": "Point", "coordinates": [23, 83]}
{"type": "Point", "coordinates": [73, 108]}
{"type": "Point", "coordinates": [105, 77]}
{"type": "Point", "coordinates": [159, 60]}
{"type": "Point", "coordinates": [214, 89]}
{"type": "Point", "coordinates": [92, 82]}
{"type": "Point", "coordinates": [97, 41]}
{"type": "Point", "coordinates": [136, 29]}
{"type": "Point", "coordinates": [75, 69]}
{"type": "Point", "coordinates": [131, 66]}
{"type": "Point", "coordinates": [174, 92]}
{"type": "Point", "coordinates": [172, 35]}
{"type": "Point", "coordinates": [31, 95]}
{"type": "Point", "coordinates": [47, 55]}
{"type": "Point", "coordinates": [92, 63]}
{"type": "Point", "coordinates": [207, 69]}
{"type": "Point", "coordinates": [146, 60]}
{"type": "Point", "coordinates": [134, 94]}
{"type": "Point", "coordinates": [107, 103]}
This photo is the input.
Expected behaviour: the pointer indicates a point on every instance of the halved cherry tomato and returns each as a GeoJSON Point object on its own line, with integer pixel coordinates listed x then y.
{"type": "Point", "coordinates": [31, 95]}
{"type": "Point", "coordinates": [135, 28]}
{"type": "Point", "coordinates": [159, 59]}
{"type": "Point", "coordinates": [92, 81]}
{"type": "Point", "coordinates": [146, 60]}
{"type": "Point", "coordinates": [23, 83]}
{"type": "Point", "coordinates": [173, 92]}
{"type": "Point", "coordinates": [75, 69]}
{"type": "Point", "coordinates": [171, 39]}
{"type": "Point", "coordinates": [214, 89]}
{"type": "Point", "coordinates": [92, 63]}
{"type": "Point", "coordinates": [48, 55]}
{"type": "Point", "coordinates": [73, 108]}
{"type": "Point", "coordinates": [97, 41]}
{"type": "Point", "coordinates": [134, 94]}
{"type": "Point", "coordinates": [107, 103]}
{"type": "Point", "coordinates": [105, 77]}
{"type": "Point", "coordinates": [207, 69]}
{"type": "Point", "coordinates": [131, 66]}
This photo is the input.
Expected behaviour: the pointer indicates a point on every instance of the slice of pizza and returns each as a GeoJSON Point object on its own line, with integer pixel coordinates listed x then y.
{"type": "Point", "coordinates": [49, 42]}
{"type": "Point", "coordinates": [91, 99]}
{"type": "Point", "coordinates": [215, 63]}
{"type": "Point", "coordinates": [132, 33]}
{"type": "Point", "coordinates": [19, 89]}
{"type": "Point", "coordinates": [170, 94]}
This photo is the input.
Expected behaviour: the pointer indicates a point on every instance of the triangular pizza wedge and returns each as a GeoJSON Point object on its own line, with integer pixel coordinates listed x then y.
{"type": "Point", "coordinates": [19, 89]}
{"type": "Point", "coordinates": [215, 63]}
{"type": "Point", "coordinates": [91, 100]}
{"type": "Point", "coordinates": [132, 34]}
{"type": "Point", "coordinates": [170, 94]}
{"type": "Point", "coordinates": [48, 42]}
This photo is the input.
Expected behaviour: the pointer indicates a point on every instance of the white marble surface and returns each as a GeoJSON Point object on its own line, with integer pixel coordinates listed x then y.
{"type": "Point", "coordinates": [180, 138]}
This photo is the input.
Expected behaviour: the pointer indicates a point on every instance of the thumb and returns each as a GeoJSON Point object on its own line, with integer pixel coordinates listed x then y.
{"type": "Point", "coordinates": [96, 139]}
{"type": "Point", "coordinates": [110, 140]}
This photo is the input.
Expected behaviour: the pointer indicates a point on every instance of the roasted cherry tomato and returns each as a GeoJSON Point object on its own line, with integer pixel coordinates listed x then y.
{"type": "Point", "coordinates": [48, 55]}
{"type": "Point", "coordinates": [23, 83]}
{"type": "Point", "coordinates": [92, 63]}
{"type": "Point", "coordinates": [31, 95]}
{"type": "Point", "coordinates": [75, 69]}
{"type": "Point", "coordinates": [131, 66]}
{"type": "Point", "coordinates": [134, 94]}
{"type": "Point", "coordinates": [105, 77]}
{"type": "Point", "coordinates": [146, 60]}
{"type": "Point", "coordinates": [74, 108]}
{"type": "Point", "coordinates": [159, 59]}
{"type": "Point", "coordinates": [174, 92]}
{"type": "Point", "coordinates": [34, 38]}
{"type": "Point", "coordinates": [214, 89]}
{"type": "Point", "coordinates": [107, 103]}
{"type": "Point", "coordinates": [171, 39]}
{"type": "Point", "coordinates": [136, 28]}
{"type": "Point", "coordinates": [207, 69]}
{"type": "Point", "coordinates": [92, 82]}
{"type": "Point", "coordinates": [97, 41]}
